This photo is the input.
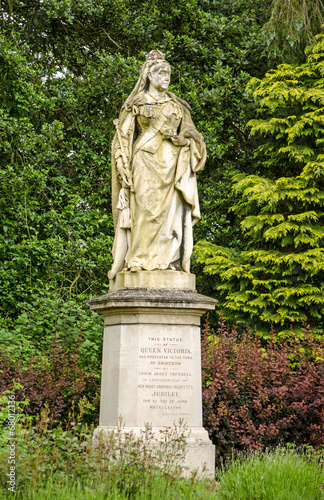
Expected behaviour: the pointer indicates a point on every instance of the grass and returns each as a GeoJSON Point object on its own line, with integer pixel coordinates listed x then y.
{"type": "Point", "coordinates": [155, 489]}
{"type": "Point", "coordinates": [283, 474]}
{"type": "Point", "coordinates": [62, 464]}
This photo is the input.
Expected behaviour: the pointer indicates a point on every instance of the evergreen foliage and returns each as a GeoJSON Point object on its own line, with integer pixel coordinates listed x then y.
{"type": "Point", "coordinates": [292, 26]}
{"type": "Point", "coordinates": [279, 278]}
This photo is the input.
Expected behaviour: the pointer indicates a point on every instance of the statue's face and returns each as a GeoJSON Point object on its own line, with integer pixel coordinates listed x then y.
{"type": "Point", "coordinates": [160, 79]}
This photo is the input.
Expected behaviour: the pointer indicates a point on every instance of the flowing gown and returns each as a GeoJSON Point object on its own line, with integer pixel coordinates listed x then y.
{"type": "Point", "coordinates": [156, 205]}
{"type": "Point", "coordinates": [164, 201]}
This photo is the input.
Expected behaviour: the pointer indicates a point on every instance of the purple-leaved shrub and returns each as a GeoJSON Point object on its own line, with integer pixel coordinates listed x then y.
{"type": "Point", "coordinates": [257, 396]}
{"type": "Point", "coordinates": [57, 380]}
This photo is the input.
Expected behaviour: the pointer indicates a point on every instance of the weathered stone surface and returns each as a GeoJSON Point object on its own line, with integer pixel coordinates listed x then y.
{"type": "Point", "coordinates": [153, 279]}
{"type": "Point", "coordinates": [152, 298]}
{"type": "Point", "coordinates": [151, 356]}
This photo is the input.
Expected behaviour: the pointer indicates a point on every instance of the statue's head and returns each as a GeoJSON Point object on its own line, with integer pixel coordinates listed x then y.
{"type": "Point", "coordinates": [159, 70]}
{"type": "Point", "coordinates": [155, 55]}
{"type": "Point", "coordinates": [154, 70]}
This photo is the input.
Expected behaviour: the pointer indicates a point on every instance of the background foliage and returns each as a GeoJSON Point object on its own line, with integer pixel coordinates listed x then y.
{"type": "Point", "coordinates": [292, 26]}
{"type": "Point", "coordinates": [65, 69]}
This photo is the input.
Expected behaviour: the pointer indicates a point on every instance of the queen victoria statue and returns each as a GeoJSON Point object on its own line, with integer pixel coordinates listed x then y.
{"type": "Point", "coordinates": [156, 153]}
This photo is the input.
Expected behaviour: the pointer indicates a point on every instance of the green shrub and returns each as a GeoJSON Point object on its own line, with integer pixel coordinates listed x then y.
{"type": "Point", "coordinates": [46, 315]}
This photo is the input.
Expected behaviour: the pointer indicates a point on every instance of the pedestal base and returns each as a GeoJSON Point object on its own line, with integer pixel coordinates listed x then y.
{"type": "Point", "coordinates": [199, 451]}
{"type": "Point", "coordinates": [153, 279]}
{"type": "Point", "coordinates": [151, 369]}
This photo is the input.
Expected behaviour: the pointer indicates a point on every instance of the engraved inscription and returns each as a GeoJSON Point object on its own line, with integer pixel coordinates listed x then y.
{"type": "Point", "coordinates": [165, 380]}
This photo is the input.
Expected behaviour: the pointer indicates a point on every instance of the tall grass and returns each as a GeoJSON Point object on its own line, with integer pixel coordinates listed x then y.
{"type": "Point", "coordinates": [283, 474]}
{"type": "Point", "coordinates": [155, 488]}
{"type": "Point", "coordinates": [60, 462]}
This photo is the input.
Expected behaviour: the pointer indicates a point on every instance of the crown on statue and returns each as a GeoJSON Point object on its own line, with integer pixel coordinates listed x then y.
{"type": "Point", "coordinates": [155, 55]}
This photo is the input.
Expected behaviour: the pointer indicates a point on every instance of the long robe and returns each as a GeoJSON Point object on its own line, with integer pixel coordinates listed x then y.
{"type": "Point", "coordinates": [155, 230]}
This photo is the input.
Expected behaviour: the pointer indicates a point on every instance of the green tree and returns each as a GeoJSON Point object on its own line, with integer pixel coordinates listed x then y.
{"type": "Point", "coordinates": [279, 278]}
{"type": "Point", "coordinates": [65, 69]}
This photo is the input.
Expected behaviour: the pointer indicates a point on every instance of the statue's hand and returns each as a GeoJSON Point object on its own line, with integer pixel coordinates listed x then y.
{"type": "Point", "coordinates": [168, 133]}
{"type": "Point", "coordinates": [179, 140]}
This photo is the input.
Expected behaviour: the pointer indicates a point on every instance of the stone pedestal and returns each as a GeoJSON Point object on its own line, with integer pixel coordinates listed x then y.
{"type": "Point", "coordinates": [151, 370]}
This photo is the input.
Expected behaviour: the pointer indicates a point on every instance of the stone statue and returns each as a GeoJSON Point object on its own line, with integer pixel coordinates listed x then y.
{"type": "Point", "coordinates": [156, 153]}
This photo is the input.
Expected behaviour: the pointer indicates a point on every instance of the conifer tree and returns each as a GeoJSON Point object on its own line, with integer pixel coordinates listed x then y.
{"type": "Point", "coordinates": [291, 27]}
{"type": "Point", "coordinates": [279, 277]}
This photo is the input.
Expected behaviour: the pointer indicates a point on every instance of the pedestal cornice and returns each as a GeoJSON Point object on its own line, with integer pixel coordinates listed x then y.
{"type": "Point", "coordinates": [149, 298]}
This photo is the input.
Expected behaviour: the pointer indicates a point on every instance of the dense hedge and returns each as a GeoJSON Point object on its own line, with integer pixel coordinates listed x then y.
{"type": "Point", "coordinates": [257, 396]}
